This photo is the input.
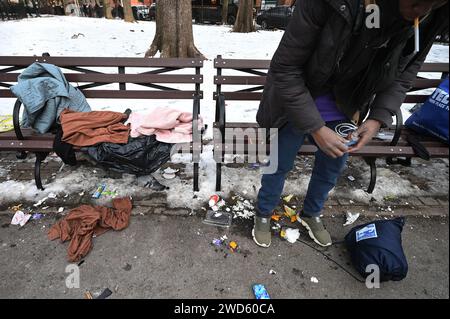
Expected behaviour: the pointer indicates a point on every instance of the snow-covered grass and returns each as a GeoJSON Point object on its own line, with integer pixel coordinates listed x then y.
{"type": "Point", "coordinates": [101, 37]}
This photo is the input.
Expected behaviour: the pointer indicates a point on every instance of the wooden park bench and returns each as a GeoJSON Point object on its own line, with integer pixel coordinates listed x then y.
{"type": "Point", "coordinates": [156, 80]}
{"type": "Point", "coordinates": [243, 80]}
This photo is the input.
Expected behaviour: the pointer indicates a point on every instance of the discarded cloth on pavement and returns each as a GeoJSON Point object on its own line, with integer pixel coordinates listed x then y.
{"type": "Point", "coordinates": [85, 221]}
{"type": "Point", "coordinates": [91, 128]}
{"type": "Point", "coordinates": [378, 244]}
{"type": "Point", "coordinates": [169, 125]}
{"type": "Point", "coordinates": [140, 156]}
{"type": "Point", "coordinates": [45, 93]}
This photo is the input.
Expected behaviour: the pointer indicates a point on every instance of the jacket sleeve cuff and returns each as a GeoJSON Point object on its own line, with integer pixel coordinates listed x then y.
{"type": "Point", "coordinates": [382, 115]}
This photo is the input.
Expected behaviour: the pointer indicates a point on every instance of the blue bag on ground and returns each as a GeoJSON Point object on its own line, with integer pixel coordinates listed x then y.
{"type": "Point", "coordinates": [379, 243]}
{"type": "Point", "coordinates": [432, 118]}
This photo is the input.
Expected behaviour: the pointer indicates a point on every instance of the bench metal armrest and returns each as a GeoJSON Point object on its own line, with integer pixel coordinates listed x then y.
{"type": "Point", "coordinates": [16, 122]}
{"type": "Point", "coordinates": [398, 127]}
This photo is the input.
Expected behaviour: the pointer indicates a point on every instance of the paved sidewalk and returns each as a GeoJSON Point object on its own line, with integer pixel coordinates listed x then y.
{"type": "Point", "coordinates": [162, 256]}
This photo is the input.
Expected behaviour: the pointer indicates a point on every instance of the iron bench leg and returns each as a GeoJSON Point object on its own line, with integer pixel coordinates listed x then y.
{"type": "Point", "coordinates": [40, 156]}
{"type": "Point", "coordinates": [373, 173]}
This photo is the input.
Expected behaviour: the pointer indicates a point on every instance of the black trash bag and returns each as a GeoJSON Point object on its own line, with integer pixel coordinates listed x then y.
{"type": "Point", "coordinates": [379, 243]}
{"type": "Point", "coordinates": [140, 156]}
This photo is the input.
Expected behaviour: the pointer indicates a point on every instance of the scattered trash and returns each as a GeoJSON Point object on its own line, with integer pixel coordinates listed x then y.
{"type": "Point", "coordinates": [112, 193]}
{"type": "Point", "coordinates": [37, 216]}
{"type": "Point", "coordinates": [80, 263]}
{"type": "Point", "coordinates": [99, 191]}
{"type": "Point", "coordinates": [44, 208]}
{"type": "Point", "coordinates": [81, 194]}
{"type": "Point", "coordinates": [88, 295]}
{"type": "Point", "coordinates": [314, 280]}
{"type": "Point", "coordinates": [288, 198]}
{"type": "Point", "coordinates": [217, 242]}
{"type": "Point", "coordinates": [291, 213]}
{"type": "Point", "coordinates": [233, 246]}
{"type": "Point", "coordinates": [290, 234]}
{"type": "Point", "coordinates": [61, 209]}
{"type": "Point", "coordinates": [105, 294]}
{"type": "Point", "coordinates": [216, 203]}
{"type": "Point", "coordinates": [351, 178]}
{"type": "Point", "coordinates": [39, 203]}
{"type": "Point", "coordinates": [272, 272]}
{"type": "Point", "coordinates": [169, 173]}
{"type": "Point", "coordinates": [224, 237]}
{"type": "Point", "coordinates": [51, 195]}
{"type": "Point", "coordinates": [260, 292]}
{"type": "Point", "coordinates": [16, 208]}
{"type": "Point", "coordinates": [67, 195]}
{"type": "Point", "coordinates": [222, 219]}
{"type": "Point", "coordinates": [20, 218]}
{"type": "Point", "coordinates": [351, 218]}
{"type": "Point", "coordinates": [276, 217]}
{"type": "Point", "coordinates": [213, 200]}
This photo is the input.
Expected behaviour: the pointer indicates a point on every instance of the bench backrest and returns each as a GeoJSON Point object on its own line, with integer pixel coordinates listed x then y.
{"type": "Point", "coordinates": [253, 73]}
{"type": "Point", "coordinates": [155, 80]}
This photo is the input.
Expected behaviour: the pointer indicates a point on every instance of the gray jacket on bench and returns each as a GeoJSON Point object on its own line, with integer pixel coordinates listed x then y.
{"type": "Point", "coordinates": [45, 93]}
{"type": "Point", "coordinates": [327, 48]}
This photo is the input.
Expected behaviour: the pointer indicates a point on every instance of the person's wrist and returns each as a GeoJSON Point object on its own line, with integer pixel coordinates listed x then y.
{"type": "Point", "coordinates": [318, 131]}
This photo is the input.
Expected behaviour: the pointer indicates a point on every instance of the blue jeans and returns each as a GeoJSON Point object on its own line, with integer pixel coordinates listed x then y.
{"type": "Point", "coordinates": [324, 176]}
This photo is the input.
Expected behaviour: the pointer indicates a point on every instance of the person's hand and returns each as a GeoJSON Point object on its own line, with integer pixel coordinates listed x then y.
{"type": "Point", "coordinates": [330, 142]}
{"type": "Point", "coordinates": [365, 133]}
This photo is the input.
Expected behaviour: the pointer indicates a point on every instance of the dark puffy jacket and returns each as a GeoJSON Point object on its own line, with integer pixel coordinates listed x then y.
{"type": "Point", "coordinates": [328, 48]}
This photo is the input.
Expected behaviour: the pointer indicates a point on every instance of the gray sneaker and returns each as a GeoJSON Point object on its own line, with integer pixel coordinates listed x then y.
{"type": "Point", "coordinates": [261, 232]}
{"type": "Point", "coordinates": [316, 230]}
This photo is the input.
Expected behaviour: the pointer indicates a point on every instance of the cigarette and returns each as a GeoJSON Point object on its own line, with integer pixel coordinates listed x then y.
{"type": "Point", "coordinates": [417, 35]}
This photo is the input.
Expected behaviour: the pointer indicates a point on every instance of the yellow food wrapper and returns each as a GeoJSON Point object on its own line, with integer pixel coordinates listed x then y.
{"type": "Point", "coordinates": [289, 212]}
{"type": "Point", "coordinates": [6, 123]}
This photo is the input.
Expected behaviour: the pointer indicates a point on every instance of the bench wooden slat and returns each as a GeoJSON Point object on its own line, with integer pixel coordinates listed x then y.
{"type": "Point", "coordinates": [128, 94]}
{"type": "Point", "coordinates": [116, 78]}
{"type": "Point", "coordinates": [241, 96]}
{"type": "Point", "coordinates": [102, 61]}
{"type": "Point", "coordinates": [240, 80]}
{"type": "Point", "coordinates": [435, 67]}
{"type": "Point", "coordinates": [367, 151]}
{"type": "Point", "coordinates": [26, 145]}
{"type": "Point", "coordinates": [241, 64]}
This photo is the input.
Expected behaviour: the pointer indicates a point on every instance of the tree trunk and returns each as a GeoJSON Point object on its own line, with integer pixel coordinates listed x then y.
{"type": "Point", "coordinates": [127, 12]}
{"type": "Point", "coordinates": [225, 12]}
{"type": "Point", "coordinates": [244, 20]}
{"type": "Point", "coordinates": [173, 37]}
{"type": "Point", "coordinates": [107, 8]}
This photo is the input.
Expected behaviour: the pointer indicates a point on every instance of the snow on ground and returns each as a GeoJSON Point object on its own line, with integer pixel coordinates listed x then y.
{"type": "Point", "coordinates": [101, 37]}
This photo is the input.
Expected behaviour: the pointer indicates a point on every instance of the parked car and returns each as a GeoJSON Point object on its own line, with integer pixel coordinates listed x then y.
{"type": "Point", "coordinates": [152, 11]}
{"type": "Point", "coordinates": [211, 11]}
{"type": "Point", "coordinates": [141, 12]}
{"type": "Point", "coordinates": [276, 17]}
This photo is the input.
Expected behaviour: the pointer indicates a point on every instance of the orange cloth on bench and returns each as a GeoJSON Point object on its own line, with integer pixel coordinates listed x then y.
{"type": "Point", "coordinates": [91, 128]}
{"type": "Point", "coordinates": [83, 222]}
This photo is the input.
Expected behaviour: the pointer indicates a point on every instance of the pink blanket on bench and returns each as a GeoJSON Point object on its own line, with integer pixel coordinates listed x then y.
{"type": "Point", "coordinates": [169, 125]}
